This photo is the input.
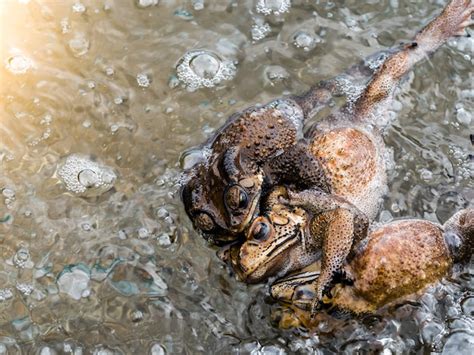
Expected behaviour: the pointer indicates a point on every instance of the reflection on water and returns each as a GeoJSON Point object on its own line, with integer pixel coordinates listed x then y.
{"type": "Point", "coordinates": [96, 254]}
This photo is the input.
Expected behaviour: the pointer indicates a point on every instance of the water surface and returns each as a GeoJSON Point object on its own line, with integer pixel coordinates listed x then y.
{"type": "Point", "coordinates": [96, 253]}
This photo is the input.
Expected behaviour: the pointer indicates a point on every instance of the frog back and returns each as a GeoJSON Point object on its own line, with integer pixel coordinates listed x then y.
{"type": "Point", "coordinates": [352, 160]}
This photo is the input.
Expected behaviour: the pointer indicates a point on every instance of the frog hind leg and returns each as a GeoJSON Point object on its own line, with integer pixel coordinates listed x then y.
{"type": "Point", "coordinates": [452, 21]}
{"type": "Point", "coordinates": [321, 94]}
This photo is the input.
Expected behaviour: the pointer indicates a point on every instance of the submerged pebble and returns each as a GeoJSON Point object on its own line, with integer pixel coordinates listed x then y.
{"type": "Point", "coordinates": [202, 68]}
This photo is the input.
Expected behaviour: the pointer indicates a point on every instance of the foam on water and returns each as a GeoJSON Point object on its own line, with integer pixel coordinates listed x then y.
{"type": "Point", "coordinates": [83, 176]}
{"type": "Point", "coordinates": [276, 7]}
{"type": "Point", "coordinates": [202, 68]}
{"type": "Point", "coordinates": [260, 30]}
{"type": "Point", "coordinates": [19, 64]}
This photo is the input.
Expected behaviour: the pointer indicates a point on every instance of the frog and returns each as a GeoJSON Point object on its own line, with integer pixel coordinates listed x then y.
{"type": "Point", "coordinates": [288, 237]}
{"type": "Point", "coordinates": [397, 262]}
{"type": "Point", "coordinates": [249, 154]}
{"type": "Point", "coordinates": [350, 148]}
{"type": "Point", "coordinates": [389, 261]}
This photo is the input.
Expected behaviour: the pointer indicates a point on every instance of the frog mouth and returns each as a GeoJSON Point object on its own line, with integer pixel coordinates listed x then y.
{"type": "Point", "coordinates": [269, 266]}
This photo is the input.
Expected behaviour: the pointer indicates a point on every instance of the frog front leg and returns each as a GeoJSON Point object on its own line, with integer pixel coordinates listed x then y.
{"type": "Point", "coordinates": [344, 226]}
{"type": "Point", "coordinates": [298, 166]}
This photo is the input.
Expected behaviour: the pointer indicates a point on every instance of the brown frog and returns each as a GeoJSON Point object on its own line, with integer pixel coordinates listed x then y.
{"type": "Point", "coordinates": [347, 147]}
{"type": "Point", "coordinates": [396, 262]}
{"type": "Point", "coordinates": [249, 154]}
{"type": "Point", "coordinates": [254, 150]}
{"type": "Point", "coordinates": [393, 260]}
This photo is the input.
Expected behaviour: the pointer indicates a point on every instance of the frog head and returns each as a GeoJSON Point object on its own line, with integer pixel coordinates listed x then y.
{"type": "Point", "coordinates": [221, 198]}
{"type": "Point", "coordinates": [274, 242]}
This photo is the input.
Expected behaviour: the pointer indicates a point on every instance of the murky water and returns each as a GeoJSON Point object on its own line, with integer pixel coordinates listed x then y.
{"type": "Point", "coordinates": [98, 99]}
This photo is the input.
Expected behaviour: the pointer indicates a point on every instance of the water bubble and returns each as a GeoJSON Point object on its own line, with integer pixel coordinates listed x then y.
{"type": "Point", "coordinates": [88, 178]}
{"type": "Point", "coordinates": [164, 240]}
{"type": "Point", "coordinates": [260, 31]}
{"type": "Point", "coordinates": [136, 316]}
{"type": "Point", "coordinates": [74, 281]}
{"type": "Point", "coordinates": [305, 40]}
{"type": "Point", "coordinates": [467, 306]}
{"type": "Point", "coordinates": [200, 68]}
{"type": "Point", "coordinates": [47, 351]}
{"type": "Point", "coordinates": [463, 115]}
{"type": "Point", "coordinates": [277, 7]}
{"type": "Point", "coordinates": [426, 174]}
{"type": "Point", "coordinates": [157, 349]}
{"type": "Point", "coordinates": [8, 193]}
{"type": "Point", "coordinates": [65, 26]}
{"type": "Point", "coordinates": [19, 64]}
{"type": "Point", "coordinates": [162, 213]}
{"type": "Point", "coordinates": [81, 175]}
{"type": "Point", "coordinates": [143, 233]}
{"type": "Point", "coordinates": [184, 14]}
{"type": "Point", "coordinates": [86, 227]}
{"type": "Point", "coordinates": [109, 71]}
{"type": "Point", "coordinates": [118, 100]}
{"type": "Point", "coordinates": [79, 45]}
{"type": "Point", "coordinates": [193, 156]}
{"type": "Point", "coordinates": [146, 3]}
{"type": "Point", "coordinates": [22, 258]}
{"type": "Point", "coordinates": [79, 7]}
{"type": "Point", "coordinates": [104, 351]}
{"type": "Point", "coordinates": [198, 5]}
{"type": "Point", "coordinates": [275, 73]}
{"type": "Point", "coordinates": [143, 80]}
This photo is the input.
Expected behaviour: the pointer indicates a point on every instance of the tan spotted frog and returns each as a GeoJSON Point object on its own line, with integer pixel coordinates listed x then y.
{"type": "Point", "coordinates": [394, 260]}
{"type": "Point", "coordinates": [342, 155]}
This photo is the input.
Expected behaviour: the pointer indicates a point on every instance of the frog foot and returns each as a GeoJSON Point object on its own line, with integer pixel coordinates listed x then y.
{"type": "Point", "coordinates": [465, 19]}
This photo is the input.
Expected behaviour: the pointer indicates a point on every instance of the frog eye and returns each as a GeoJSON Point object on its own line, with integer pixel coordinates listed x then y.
{"type": "Point", "coordinates": [236, 198]}
{"type": "Point", "coordinates": [204, 222]}
{"type": "Point", "coordinates": [261, 231]}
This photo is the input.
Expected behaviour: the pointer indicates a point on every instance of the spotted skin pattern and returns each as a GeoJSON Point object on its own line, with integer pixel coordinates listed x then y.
{"type": "Point", "coordinates": [396, 261]}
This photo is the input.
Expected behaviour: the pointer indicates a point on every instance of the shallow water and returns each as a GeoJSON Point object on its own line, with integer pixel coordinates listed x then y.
{"type": "Point", "coordinates": [96, 253]}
